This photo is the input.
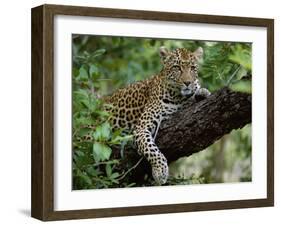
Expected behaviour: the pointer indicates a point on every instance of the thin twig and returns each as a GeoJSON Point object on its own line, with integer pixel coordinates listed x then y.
{"type": "Point", "coordinates": [233, 74]}
{"type": "Point", "coordinates": [129, 170]}
{"type": "Point", "coordinates": [101, 163]}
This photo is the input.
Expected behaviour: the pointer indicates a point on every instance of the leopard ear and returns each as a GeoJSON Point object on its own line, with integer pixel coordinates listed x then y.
{"type": "Point", "coordinates": [198, 53]}
{"type": "Point", "coordinates": [163, 52]}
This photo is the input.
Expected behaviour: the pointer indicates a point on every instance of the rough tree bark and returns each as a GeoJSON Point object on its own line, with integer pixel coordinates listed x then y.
{"type": "Point", "coordinates": [194, 128]}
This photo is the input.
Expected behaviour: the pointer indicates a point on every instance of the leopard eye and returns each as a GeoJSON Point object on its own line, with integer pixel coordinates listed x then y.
{"type": "Point", "coordinates": [193, 68]}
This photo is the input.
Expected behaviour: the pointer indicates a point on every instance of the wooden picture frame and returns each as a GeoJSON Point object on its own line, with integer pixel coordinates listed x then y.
{"type": "Point", "coordinates": [42, 205]}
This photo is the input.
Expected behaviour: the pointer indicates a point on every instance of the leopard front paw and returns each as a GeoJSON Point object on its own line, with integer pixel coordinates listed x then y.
{"type": "Point", "coordinates": [201, 94]}
{"type": "Point", "coordinates": [160, 172]}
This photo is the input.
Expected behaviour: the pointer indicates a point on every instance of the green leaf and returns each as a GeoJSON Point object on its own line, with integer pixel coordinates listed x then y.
{"type": "Point", "coordinates": [242, 56]}
{"type": "Point", "coordinates": [79, 153]}
{"type": "Point", "coordinates": [102, 113]}
{"type": "Point", "coordinates": [97, 53]}
{"type": "Point", "coordinates": [105, 130]}
{"type": "Point", "coordinates": [97, 151]}
{"type": "Point", "coordinates": [81, 158]}
{"type": "Point", "coordinates": [83, 74]}
{"type": "Point", "coordinates": [81, 92]}
{"type": "Point", "coordinates": [114, 175]}
{"type": "Point", "coordinates": [242, 86]}
{"type": "Point", "coordinates": [86, 179]}
{"type": "Point", "coordinates": [118, 139]}
{"type": "Point", "coordinates": [98, 134]}
{"type": "Point", "coordinates": [83, 131]}
{"type": "Point", "coordinates": [94, 71]}
{"type": "Point", "coordinates": [115, 181]}
{"type": "Point", "coordinates": [131, 185]}
{"type": "Point", "coordinates": [108, 170]}
{"type": "Point", "coordinates": [102, 132]}
{"type": "Point", "coordinates": [75, 72]}
{"type": "Point", "coordinates": [92, 171]}
{"type": "Point", "coordinates": [101, 152]}
{"type": "Point", "coordinates": [86, 103]}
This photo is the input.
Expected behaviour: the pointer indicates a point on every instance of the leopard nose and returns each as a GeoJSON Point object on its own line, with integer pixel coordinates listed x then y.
{"type": "Point", "coordinates": [187, 83]}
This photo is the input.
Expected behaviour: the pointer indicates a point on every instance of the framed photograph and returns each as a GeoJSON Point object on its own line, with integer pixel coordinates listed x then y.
{"type": "Point", "coordinates": [141, 112]}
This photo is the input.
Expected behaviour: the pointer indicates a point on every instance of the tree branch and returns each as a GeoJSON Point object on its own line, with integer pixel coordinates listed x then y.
{"type": "Point", "coordinates": [196, 127]}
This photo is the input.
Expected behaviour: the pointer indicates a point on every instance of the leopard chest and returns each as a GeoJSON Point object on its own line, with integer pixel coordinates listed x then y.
{"type": "Point", "coordinates": [171, 102]}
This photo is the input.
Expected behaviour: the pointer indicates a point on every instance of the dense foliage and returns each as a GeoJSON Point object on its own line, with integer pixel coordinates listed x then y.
{"type": "Point", "coordinates": [104, 64]}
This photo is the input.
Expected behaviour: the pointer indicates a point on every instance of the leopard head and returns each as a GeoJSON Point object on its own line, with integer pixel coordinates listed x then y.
{"type": "Point", "coordinates": [180, 68]}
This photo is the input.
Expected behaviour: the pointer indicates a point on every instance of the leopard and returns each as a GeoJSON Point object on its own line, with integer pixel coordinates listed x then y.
{"type": "Point", "coordinates": [142, 106]}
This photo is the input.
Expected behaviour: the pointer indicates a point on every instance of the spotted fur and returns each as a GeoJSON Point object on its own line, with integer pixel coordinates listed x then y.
{"type": "Point", "coordinates": [142, 106]}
